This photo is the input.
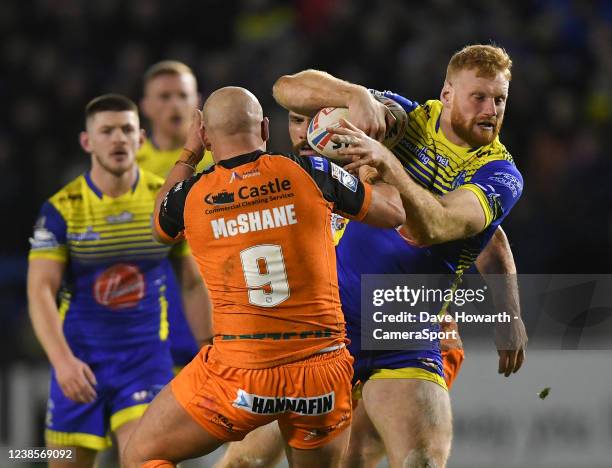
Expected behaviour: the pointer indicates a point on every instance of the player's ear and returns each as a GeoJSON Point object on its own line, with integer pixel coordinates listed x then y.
{"type": "Point", "coordinates": [446, 95]}
{"type": "Point", "coordinates": [141, 137]}
{"type": "Point", "coordinates": [84, 141]}
{"type": "Point", "coordinates": [265, 129]}
{"type": "Point", "coordinates": [204, 138]}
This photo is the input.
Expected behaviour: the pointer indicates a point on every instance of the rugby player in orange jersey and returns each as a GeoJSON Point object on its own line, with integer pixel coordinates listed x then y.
{"type": "Point", "coordinates": [259, 226]}
{"type": "Point", "coordinates": [264, 447]}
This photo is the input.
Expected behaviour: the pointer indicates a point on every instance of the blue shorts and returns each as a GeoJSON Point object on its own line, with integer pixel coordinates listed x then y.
{"type": "Point", "coordinates": [424, 364]}
{"type": "Point", "coordinates": [128, 380]}
{"type": "Point", "coordinates": [183, 345]}
{"type": "Point", "coordinates": [368, 363]}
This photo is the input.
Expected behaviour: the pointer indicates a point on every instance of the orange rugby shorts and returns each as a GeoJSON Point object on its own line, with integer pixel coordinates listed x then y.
{"type": "Point", "coordinates": [452, 360]}
{"type": "Point", "coordinates": [310, 398]}
{"type": "Point", "coordinates": [452, 353]}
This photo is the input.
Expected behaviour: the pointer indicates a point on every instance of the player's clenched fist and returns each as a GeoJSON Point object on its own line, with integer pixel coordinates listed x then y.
{"type": "Point", "coordinates": [194, 141]}
{"type": "Point", "coordinates": [363, 150]}
{"type": "Point", "coordinates": [369, 115]}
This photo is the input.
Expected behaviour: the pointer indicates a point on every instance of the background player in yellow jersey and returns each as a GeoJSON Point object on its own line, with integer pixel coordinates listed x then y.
{"type": "Point", "coordinates": [170, 94]}
{"type": "Point", "coordinates": [458, 183]}
{"type": "Point", "coordinates": [92, 244]}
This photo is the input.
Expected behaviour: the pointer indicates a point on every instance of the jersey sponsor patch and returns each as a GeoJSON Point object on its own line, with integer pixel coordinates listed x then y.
{"type": "Point", "coordinates": [88, 235]}
{"type": "Point", "coordinates": [245, 175]}
{"type": "Point", "coordinates": [43, 238]}
{"type": "Point", "coordinates": [508, 180]}
{"type": "Point", "coordinates": [459, 180]}
{"type": "Point", "coordinates": [146, 395]}
{"type": "Point", "coordinates": [222, 198]}
{"type": "Point", "coordinates": [123, 217]}
{"type": "Point", "coordinates": [310, 406]}
{"type": "Point", "coordinates": [319, 163]}
{"type": "Point", "coordinates": [342, 176]}
{"type": "Point", "coordinates": [119, 287]}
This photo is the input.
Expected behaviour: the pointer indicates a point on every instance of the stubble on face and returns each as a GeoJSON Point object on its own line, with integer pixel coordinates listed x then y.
{"type": "Point", "coordinates": [471, 131]}
{"type": "Point", "coordinates": [116, 170]}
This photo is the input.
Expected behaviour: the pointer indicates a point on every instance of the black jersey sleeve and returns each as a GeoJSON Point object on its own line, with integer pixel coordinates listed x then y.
{"type": "Point", "coordinates": [170, 220]}
{"type": "Point", "coordinates": [350, 196]}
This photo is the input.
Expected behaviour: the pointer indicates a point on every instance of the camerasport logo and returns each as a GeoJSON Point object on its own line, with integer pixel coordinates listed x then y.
{"type": "Point", "coordinates": [120, 286]}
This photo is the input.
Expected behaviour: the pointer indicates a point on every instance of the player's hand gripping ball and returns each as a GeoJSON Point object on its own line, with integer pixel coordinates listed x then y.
{"type": "Point", "coordinates": [320, 139]}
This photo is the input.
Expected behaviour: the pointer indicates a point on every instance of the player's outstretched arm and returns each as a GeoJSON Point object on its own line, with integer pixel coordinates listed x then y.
{"type": "Point", "coordinates": [196, 300]}
{"type": "Point", "coordinates": [510, 338]}
{"type": "Point", "coordinates": [310, 90]}
{"type": "Point", "coordinates": [73, 375]}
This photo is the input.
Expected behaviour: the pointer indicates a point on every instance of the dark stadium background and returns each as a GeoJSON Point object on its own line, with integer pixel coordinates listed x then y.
{"type": "Point", "coordinates": [58, 54]}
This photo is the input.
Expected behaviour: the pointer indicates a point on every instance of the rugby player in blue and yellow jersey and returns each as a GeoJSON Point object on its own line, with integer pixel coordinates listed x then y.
{"type": "Point", "coordinates": [170, 94]}
{"type": "Point", "coordinates": [264, 446]}
{"type": "Point", "coordinates": [93, 245]}
{"type": "Point", "coordinates": [458, 182]}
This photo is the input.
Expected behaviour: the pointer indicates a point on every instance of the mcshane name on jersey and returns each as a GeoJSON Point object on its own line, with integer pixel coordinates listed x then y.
{"type": "Point", "coordinates": [311, 406]}
{"type": "Point", "coordinates": [254, 221]}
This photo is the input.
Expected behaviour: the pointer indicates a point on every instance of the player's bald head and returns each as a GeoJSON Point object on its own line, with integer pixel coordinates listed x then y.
{"type": "Point", "coordinates": [232, 110]}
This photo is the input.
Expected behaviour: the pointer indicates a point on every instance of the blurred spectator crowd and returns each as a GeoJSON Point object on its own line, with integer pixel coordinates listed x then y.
{"type": "Point", "coordinates": [58, 54]}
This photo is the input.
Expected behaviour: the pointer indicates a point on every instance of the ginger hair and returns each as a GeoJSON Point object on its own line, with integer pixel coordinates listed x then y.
{"type": "Point", "coordinates": [488, 60]}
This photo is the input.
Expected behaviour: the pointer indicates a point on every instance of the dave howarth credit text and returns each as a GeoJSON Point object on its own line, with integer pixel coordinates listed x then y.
{"type": "Point", "coordinates": [426, 317]}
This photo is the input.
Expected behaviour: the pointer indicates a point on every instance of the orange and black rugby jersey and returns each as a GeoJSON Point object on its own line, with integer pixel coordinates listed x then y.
{"type": "Point", "coordinates": [259, 226]}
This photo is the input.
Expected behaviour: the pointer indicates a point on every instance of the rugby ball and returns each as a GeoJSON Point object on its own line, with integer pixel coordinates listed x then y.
{"type": "Point", "coordinates": [320, 139]}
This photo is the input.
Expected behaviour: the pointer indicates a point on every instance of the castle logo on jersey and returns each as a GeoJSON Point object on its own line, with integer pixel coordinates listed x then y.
{"type": "Point", "coordinates": [254, 221]}
{"type": "Point", "coordinates": [119, 287]}
{"type": "Point", "coordinates": [311, 406]}
{"type": "Point", "coordinates": [222, 198]}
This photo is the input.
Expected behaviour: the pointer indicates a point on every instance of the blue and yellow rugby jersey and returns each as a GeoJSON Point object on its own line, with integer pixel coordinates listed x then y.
{"type": "Point", "coordinates": [114, 286]}
{"type": "Point", "coordinates": [440, 166]}
{"type": "Point", "coordinates": [160, 162]}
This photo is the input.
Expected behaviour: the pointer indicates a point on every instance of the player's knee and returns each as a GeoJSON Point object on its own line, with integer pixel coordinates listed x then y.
{"type": "Point", "coordinates": [242, 461]}
{"type": "Point", "coordinates": [363, 453]}
{"type": "Point", "coordinates": [129, 457]}
{"type": "Point", "coordinates": [134, 454]}
{"type": "Point", "coordinates": [421, 458]}
{"type": "Point", "coordinates": [432, 453]}
{"type": "Point", "coordinates": [365, 457]}
{"type": "Point", "coordinates": [435, 411]}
